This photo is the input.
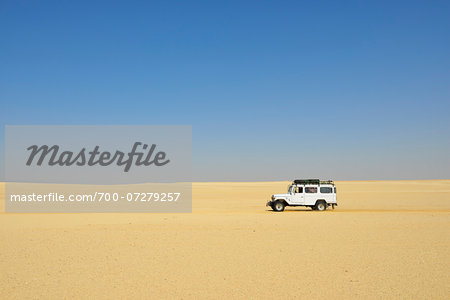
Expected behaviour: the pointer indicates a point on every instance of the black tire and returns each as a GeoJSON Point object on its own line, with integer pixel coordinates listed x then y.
{"type": "Point", "coordinates": [320, 205]}
{"type": "Point", "coordinates": [278, 206]}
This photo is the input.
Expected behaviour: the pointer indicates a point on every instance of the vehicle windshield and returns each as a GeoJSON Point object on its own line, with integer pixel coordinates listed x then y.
{"type": "Point", "coordinates": [290, 189]}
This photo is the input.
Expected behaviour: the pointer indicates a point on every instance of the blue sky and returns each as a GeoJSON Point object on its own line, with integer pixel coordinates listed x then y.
{"type": "Point", "coordinates": [273, 89]}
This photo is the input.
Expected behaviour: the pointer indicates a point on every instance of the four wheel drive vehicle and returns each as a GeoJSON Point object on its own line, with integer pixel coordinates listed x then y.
{"type": "Point", "coordinates": [312, 193]}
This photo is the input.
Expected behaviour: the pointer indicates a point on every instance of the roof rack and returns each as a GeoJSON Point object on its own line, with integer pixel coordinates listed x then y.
{"type": "Point", "coordinates": [307, 181]}
{"type": "Point", "coordinates": [312, 181]}
{"type": "Point", "coordinates": [326, 182]}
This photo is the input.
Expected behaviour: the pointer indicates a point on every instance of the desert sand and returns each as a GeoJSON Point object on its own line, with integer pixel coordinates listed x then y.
{"type": "Point", "coordinates": [386, 239]}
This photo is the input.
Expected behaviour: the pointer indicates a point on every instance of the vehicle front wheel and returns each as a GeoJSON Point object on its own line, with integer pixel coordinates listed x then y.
{"type": "Point", "coordinates": [321, 206]}
{"type": "Point", "coordinates": [278, 206]}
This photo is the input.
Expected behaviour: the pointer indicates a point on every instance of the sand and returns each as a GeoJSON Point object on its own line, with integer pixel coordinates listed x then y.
{"type": "Point", "coordinates": [386, 239]}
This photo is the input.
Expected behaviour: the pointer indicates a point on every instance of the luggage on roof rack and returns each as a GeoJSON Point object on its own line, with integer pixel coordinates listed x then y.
{"type": "Point", "coordinates": [312, 181]}
{"type": "Point", "coordinates": [307, 181]}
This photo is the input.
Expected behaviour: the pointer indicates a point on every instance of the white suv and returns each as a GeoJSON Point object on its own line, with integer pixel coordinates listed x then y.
{"type": "Point", "coordinates": [312, 193]}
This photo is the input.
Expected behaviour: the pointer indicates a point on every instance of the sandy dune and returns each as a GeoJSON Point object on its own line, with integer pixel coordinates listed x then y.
{"type": "Point", "coordinates": [386, 239]}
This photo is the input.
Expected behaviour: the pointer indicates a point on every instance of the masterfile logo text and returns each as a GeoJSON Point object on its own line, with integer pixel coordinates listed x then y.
{"type": "Point", "coordinates": [147, 157]}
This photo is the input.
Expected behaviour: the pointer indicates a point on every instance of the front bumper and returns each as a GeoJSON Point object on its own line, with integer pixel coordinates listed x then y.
{"type": "Point", "coordinates": [269, 203]}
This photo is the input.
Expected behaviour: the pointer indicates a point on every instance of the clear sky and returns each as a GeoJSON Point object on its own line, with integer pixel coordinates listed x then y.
{"type": "Point", "coordinates": [274, 90]}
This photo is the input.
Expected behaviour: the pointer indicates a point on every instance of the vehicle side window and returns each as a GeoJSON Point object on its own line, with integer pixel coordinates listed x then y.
{"type": "Point", "coordinates": [326, 190]}
{"type": "Point", "coordinates": [299, 190]}
{"type": "Point", "coordinates": [311, 190]}
{"type": "Point", "coordinates": [335, 190]}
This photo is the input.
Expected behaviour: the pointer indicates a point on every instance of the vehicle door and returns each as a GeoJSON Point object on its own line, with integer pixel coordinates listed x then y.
{"type": "Point", "coordinates": [310, 195]}
{"type": "Point", "coordinates": [298, 197]}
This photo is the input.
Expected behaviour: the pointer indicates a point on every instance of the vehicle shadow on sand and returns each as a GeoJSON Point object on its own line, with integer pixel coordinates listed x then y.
{"type": "Point", "coordinates": [292, 210]}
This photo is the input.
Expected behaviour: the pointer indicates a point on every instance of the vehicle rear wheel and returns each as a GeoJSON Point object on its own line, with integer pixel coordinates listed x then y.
{"type": "Point", "coordinates": [278, 206]}
{"type": "Point", "coordinates": [321, 205]}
